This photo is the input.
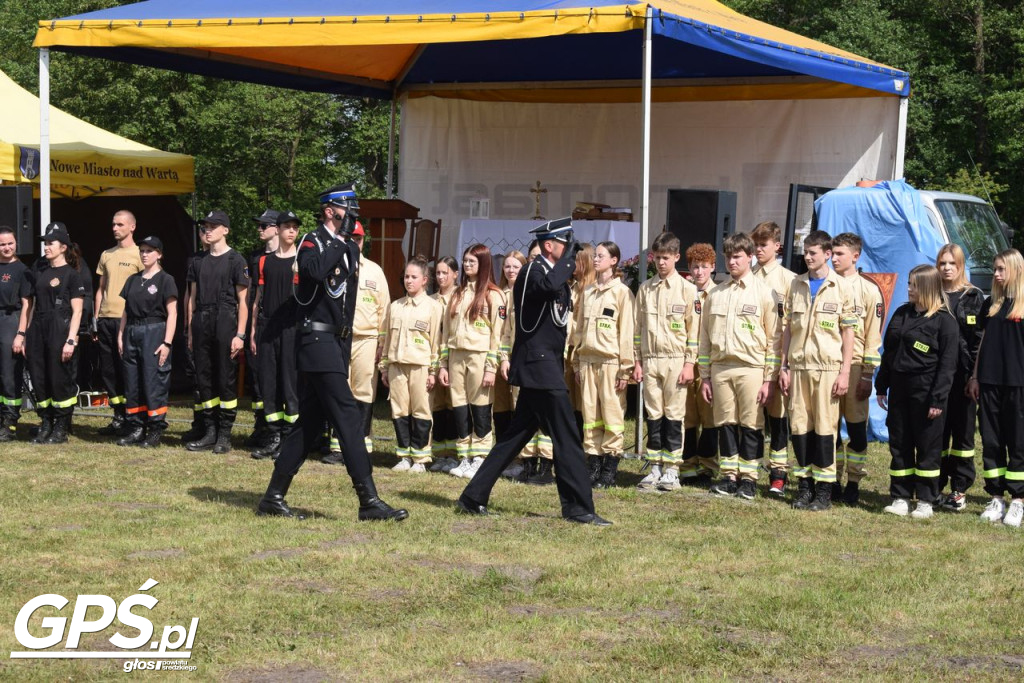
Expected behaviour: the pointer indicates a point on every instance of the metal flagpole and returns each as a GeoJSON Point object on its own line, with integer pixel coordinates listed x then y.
{"type": "Point", "coordinates": [44, 139]}
{"type": "Point", "coordinates": [645, 201]}
{"type": "Point", "coordinates": [901, 140]}
{"type": "Point", "coordinates": [389, 192]}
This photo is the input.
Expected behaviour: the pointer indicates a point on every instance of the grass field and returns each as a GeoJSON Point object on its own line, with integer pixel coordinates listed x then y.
{"type": "Point", "coordinates": [684, 586]}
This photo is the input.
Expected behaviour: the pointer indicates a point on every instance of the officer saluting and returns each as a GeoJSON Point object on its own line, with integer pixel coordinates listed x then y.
{"type": "Point", "coordinates": [328, 270]}
{"type": "Point", "coordinates": [542, 309]}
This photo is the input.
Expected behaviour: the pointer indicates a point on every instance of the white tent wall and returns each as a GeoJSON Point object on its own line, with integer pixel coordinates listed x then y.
{"type": "Point", "coordinates": [454, 150]}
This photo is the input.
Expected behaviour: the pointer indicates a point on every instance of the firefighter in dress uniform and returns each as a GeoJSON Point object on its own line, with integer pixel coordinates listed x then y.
{"type": "Point", "coordinates": [542, 300]}
{"type": "Point", "coordinates": [328, 269]}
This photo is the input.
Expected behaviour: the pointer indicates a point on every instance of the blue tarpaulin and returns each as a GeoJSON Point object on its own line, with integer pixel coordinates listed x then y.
{"type": "Point", "coordinates": [892, 221]}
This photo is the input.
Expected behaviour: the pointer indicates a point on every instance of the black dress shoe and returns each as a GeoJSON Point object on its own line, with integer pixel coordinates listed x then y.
{"type": "Point", "coordinates": [589, 519]}
{"type": "Point", "coordinates": [466, 507]}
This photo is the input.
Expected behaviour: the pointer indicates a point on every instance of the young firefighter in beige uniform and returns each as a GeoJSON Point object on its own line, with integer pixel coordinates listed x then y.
{"type": "Point", "coordinates": [700, 438]}
{"type": "Point", "coordinates": [474, 322]}
{"type": "Point", "coordinates": [604, 362]}
{"type": "Point", "coordinates": [367, 335]}
{"type": "Point", "coordinates": [443, 437]}
{"type": "Point", "coordinates": [739, 359]}
{"type": "Point", "coordinates": [665, 347]}
{"type": "Point", "coordinates": [869, 309]}
{"type": "Point", "coordinates": [408, 367]}
{"type": "Point", "coordinates": [817, 345]}
{"type": "Point", "coordinates": [767, 238]}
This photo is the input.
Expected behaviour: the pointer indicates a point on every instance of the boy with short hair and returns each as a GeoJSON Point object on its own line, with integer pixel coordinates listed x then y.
{"type": "Point", "coordinates": [739, 360]}
{"type": "Point", "coordinates": [767, 238]}
{"type": "Point", "coordinates": [869, 308]}
{"type": "Point", "coordinates": [817, 345]}
{"type": "Point", "coordinates": [700, 453]}
{"type": "Point", "coordinates": [665, 348]}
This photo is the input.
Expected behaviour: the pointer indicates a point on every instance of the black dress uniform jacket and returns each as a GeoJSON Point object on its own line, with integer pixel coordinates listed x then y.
{"type": "Point", "coordinates": [537, 359]}
{"type": "Point", "coordinates": [326, 264]}
{"type": "Point", "coordinates": [969, 316]}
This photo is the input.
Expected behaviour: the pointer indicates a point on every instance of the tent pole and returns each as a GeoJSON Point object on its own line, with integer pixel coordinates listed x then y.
{"type": "Point", "coordinates": [391, 150]}
{"type": "Point", "coordinates": [901, 139]}
{"type": "Point", "coordinates": [44, 139]}
{"type": "Point", "coordinates": [645, 201]}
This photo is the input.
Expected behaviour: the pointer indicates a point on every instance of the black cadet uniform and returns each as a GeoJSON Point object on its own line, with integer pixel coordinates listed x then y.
{"type": "Point", "coordinates": [275, 341]}
{"type": "Point", "coordinates": [1001, 402]}
{"type": "Point", "coordinates": [259, 433]}
{"type": "Point", "coordinates": [917, 369]}
{"type": "Point", "coordinates": [146, 382]}
{"type": "Point", "coordinates": [328, 270]}
{"type": "Point", "coordinates": [214, 325]}
{"type": "Point", "coordinates": [961, 411]}
{"type": "Point", "coordinates": [16, 283]}
{"type": "Point", "coordinates": [542, 301]}
{"type": "Point", "coordinates": [53, 380]}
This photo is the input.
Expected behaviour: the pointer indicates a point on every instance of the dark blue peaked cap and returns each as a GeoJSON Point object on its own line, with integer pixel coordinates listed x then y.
{"type": "Point", "coordinates": [343, 196]}
{"type": "Point", "coordinates": [559, 229]}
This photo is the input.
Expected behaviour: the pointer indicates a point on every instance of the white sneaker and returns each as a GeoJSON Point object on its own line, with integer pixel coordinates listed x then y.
{"type": "Point", "coordinates": [474, 465]}
{"type": "Point", "coordinates": [652, 478]}
{"type": "Point", "coordinates": [450, 464]}
{"type": "Point", "coordinates": [922, 511]}
{"type": "Point", "coordinates": [899, 507]}
{"type": "Point", "coordinates": [670, 480]}
{"type": "Point", "coordinates": [418, 468]}
{"type": "Point", "coordinates": [995, 510]}
{"type": "Point", "coordinates": [1015, 514]}
{"type": "Point", "coordinates": [460, 469]}
{"type": "Point", "coordinates": [404, 465]}
{"type": "Point", "coordinates": [513, 470]}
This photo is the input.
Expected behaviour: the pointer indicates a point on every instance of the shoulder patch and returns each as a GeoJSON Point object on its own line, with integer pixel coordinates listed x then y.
{"type": "Point", "coordinates": [696, 306]}
{"type": "Point", "coordinates": [878, 310]}
{"type": "Point", "coordinates": [502, 312]}
{"type": "Point", "coordinates": [781, 309]}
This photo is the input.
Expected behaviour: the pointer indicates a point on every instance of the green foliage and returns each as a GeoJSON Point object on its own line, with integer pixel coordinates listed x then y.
{"type": "Point", "coordinates": [984, 185]}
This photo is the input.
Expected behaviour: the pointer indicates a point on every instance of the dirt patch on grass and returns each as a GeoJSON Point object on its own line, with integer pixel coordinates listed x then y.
{"type": "Point", "coordinates": [548, 611]}
{"type": "Point", "coordinates": [503, 671]}
{"type": "Point", "coordinates": [294, 673]}
{"type": "Point", "coordinates": [877, 657]}
{"type": "Point", "coordinates": [69, 527]}
{"type": "Point", "coordinates": [311, 586]}
{"type": "Point", "coordinates": [283, 553]}
{"type": "Point", "coordinates": [156, 554]}
{"type": "Point", "coordinates": [354, 539]}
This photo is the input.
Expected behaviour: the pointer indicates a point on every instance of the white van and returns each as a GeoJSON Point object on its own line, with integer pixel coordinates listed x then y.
{"type": "Point", "coordinates": [971, 223]}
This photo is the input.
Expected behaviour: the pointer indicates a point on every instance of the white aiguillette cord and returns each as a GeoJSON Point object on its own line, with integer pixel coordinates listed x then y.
{"type": "Point", "coordinates": [559, 320]}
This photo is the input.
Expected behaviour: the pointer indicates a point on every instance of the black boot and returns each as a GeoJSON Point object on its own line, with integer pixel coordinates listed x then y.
{"type": "Point", "coordinates": [543, 476]}
{"type": "Point", "coordinates": [852, 493]}
{"type": "Point", "coordinates": [154, 432]}
{"type": "Point", "coordinates": [822, 497]}
{"type": "Point", "coordinates": [260, 431]}
{"type": "Point", "coordinates": [837, 491]}
{"type": "Point", "coordinates": [197, 430]}
{"type": "Point", "coordinates": [134, 436]}
{"type": "Point", "coordinates": [6, 428]}
{"type": "Point", "coordinates": [209, 434]}
{"type": "Point", "coordinates": [45, 427]}
{"type": "Point", "coordinates": [61, 425]}
{"type": "Point", "coordinates": [529, 469]}
{"type": "Point", "coordinates": [594, 465]}
{"type": "Point", "coordinates": [609, 468]}
{"type": "Point", "coordinates": [222, 444]}
{"type": "Point", "coordinates": [117, 423]}
{"type": "Point", "coordinates": [272, 502]}
{"type": "Point", "coordinates": [270, 448]}
{"type": "Point", "coordinates": [371, 507]}
{"type": "Point", "coordinates": [804, 494]}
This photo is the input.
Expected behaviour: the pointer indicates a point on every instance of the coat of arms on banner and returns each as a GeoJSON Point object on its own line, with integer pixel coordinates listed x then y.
{"type": "Point", "coordinates": [29, 164]}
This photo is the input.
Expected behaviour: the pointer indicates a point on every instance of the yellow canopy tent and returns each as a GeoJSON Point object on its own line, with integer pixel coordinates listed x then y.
{"type": "Point", "coordinates": [86, 161]}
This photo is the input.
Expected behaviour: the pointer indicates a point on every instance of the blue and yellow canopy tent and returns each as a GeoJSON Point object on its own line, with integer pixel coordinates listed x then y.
{"type": "Point", "coordinates": [519, 51]}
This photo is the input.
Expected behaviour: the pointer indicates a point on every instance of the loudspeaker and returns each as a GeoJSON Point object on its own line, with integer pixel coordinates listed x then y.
{"type": "Point", "coordinates": [701, 216]}
{"type": "Point", "coordinates": [16, 212]}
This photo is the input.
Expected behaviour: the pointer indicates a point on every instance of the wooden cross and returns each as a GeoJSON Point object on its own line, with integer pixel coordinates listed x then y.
{"type": "Point", "coordinates": [538, 190]}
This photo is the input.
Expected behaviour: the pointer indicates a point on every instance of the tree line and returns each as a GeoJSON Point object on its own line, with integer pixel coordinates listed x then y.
{"type": "Point", "coordinates": [256, 146]}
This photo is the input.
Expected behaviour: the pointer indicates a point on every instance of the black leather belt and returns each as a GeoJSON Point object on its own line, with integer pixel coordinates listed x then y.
{"type": "Point", "coordinates": [310, 326]}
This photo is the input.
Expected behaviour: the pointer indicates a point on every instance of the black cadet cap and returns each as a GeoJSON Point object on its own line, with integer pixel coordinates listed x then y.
{"type": "Point", "coordinates": [288, 217]}
{"type": "Point", "coordinates": [153, 242]}
{"type": "Point", "coordinates": [215, 218]}
{"type": "Point", "coordinates": [559, 229]}
{"type": "Point", "coordinates": [57, 232]}
{"type": "Point", "coordinates": [342, 196]}
{"type": "Point", "coordinates": [268, 217]}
